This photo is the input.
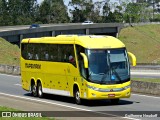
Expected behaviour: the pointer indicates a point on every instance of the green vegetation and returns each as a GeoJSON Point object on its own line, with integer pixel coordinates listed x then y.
{"type": "Point", "coordinates": [154, 80]}
{"type": "Point", "coordinates": [143, 41]}
{"type": "Point", "coordinates": [2, 108]}
{"type": "Point", "coordinates": [9, 53]}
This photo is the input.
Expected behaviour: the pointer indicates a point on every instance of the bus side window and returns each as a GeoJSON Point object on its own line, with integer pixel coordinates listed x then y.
{"type": "Point", "coordinates": [24, 51]}
{"type": "Point", "coordinates": [62, 53]}
{"type": "Point", "coordinates": [30, 51]}
{"type": "Point", "coordinates": [82, 70]}
{"type": "Point", "coordinates": [36, 51]}
{"type": "Point", "coordinates": [66, 53]}
{"type": "Point", "coordinates": [46, 52]}
{"type": "Point", "coordinates": [71, 55]}
{"type": "Point", "coordinates": [53, 52]}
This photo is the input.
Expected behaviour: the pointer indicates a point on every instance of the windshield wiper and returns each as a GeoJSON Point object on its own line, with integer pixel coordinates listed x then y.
{"type": "Point", "coordinates": [115, 73]}
{"type": "Point", "coordinates": [104, 76]}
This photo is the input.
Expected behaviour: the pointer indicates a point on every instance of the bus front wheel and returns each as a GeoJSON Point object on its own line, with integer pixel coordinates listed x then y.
{"type": "Point", "coordinates": [77, 96]}
{"type": "Point", "coordinates": [34, 90]}
{"type": "Point", "coordinates": [40, 92]}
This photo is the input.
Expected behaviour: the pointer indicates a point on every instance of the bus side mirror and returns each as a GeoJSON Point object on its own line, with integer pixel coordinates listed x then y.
{"type": "Point", "coordinates": [85, 60]}
{"type": "Point", "coordinates": [133, 57]}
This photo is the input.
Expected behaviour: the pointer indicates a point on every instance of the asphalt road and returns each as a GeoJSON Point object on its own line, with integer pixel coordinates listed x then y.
{"type": "Point", "coordinates": [21, 27]}
{"type": "Point", "coordinates": [145, 73]}
{"type": "Point", "coordinates": [12, 95]}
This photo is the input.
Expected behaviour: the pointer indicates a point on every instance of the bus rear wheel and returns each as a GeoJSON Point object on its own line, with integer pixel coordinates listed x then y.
{"type": "Point", "coordinates": [77, 96]}
{"type": "Point", "coordinates": [34, 90]}
{"type": "Point", "coordinates": [40, 92]}
{"type": "Point", "coordinates": [114, 101]}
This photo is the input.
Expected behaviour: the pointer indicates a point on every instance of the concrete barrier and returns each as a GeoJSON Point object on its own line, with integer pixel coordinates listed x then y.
{"type": "Point", "coordinates": [145, 87]}
{"type": "Point", "coordinates": [15, 70]}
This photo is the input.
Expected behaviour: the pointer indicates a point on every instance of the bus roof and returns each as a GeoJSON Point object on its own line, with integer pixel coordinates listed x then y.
{"type": "Point", "coordinates": [87, 41]}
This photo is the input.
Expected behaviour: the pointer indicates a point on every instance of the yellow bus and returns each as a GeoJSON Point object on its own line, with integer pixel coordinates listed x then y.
{"type": "Point", "coordinates": [91, 67]}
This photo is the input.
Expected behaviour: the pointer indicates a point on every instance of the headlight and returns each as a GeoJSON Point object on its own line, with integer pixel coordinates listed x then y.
{"type": "Point", "coordinates": [126, 87]}
{"type": "Point", "coordinates": [108, 90]}
{"type": "Point", "coordinates": [93, 88]}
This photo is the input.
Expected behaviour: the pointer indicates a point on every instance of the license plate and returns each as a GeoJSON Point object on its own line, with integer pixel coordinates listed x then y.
{"type": "Point", "coordinates": [111, 95]}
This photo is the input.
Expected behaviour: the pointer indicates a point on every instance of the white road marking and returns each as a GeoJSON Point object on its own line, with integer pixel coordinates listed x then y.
{"type": "Point", "coordinates": [11, 75]}
{"type": "Point", "coordinates": [18, 84]}
{"type": "Point", "coordinates": [145, 73]}
{"type": "Point", "coordinates": [43, 101]}
{"type": "Point", "coordinates": [145, 96]}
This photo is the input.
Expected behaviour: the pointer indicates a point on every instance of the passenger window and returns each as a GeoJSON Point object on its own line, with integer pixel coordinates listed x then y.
{"type": "Point", "coordinates": [66, 53]}
{"type": "Point", "coordinates": [24, 51]}
{"type": "Point", "coordinates": [30, 51]}
{"type": "Point", "coordinates": [53, 53]}
{"type": "Point", "coordinates": [36, 55]}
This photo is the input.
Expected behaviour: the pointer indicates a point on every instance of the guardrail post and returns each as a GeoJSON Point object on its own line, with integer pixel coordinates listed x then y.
{"type": "Point", "coordinates": [21, 37]}
{"type": "Point", "coordinates": [87, 31]}
{"type": "Point", "coordinates": [53, 33]}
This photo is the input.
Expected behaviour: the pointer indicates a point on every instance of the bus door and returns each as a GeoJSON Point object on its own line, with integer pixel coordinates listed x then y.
{"type": "Point", "coordinates": [63, 81]}
{"type": "Point", "coordinates": [71, 76]}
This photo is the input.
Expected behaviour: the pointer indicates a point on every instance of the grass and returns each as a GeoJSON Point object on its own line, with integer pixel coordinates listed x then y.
{"type": "Point", "coordinates": [6, 109]}
{"type": "Point", "coordinates": [9, 53]}
{"type": "Point", "coordinates": [143, 41]}
{"type": "Point", "coordinates": [2, 108]}
{"type": "Point", "coordinates": [153, 80]}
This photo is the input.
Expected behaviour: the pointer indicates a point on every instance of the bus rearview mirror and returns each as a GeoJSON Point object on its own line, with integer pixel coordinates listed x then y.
{"type": "Point", "coordinates": [85, 60]}
{"type": "Point", "coordinates": [133, 58]}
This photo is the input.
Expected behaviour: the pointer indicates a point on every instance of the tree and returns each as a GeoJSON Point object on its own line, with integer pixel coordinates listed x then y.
{"type": "Point", "coordinates": [82, 10]}
{"type": "Point", "coordinates": [45, 11]}
{"type": "Point", "coordinates": [53, 11]}
{"type": "Point", "coordinates": [96, 14]}
{"type": "Point", "coordinates": [113, 12]}
{"type": "Point", "coordinates": [132, 13]}
{"type": "Point", "coordinates": [17, 12]}
{"type": "Point", "coordinates": [4, 14]}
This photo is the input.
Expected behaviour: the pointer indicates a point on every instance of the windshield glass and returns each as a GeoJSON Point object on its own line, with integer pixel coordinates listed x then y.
{"type": "Point", "coordinates": [108, 66]}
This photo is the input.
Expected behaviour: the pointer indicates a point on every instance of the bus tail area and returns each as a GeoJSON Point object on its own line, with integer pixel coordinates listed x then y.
{"type": "Point", "coordinates": [84, 67]}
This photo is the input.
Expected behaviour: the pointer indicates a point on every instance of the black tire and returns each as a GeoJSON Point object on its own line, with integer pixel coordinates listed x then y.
{"type": "Point", "coordinates": [34, 90]}
{"type": "Point", "coordinates": [114, 101]}
{"type": "Point", "coordinates": [39, 90]}
{"type": "Point", "coordinates": [77, 96]}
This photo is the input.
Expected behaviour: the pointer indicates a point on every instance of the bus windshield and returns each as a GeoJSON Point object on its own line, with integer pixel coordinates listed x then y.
{"type": "Point", "coordinates": [108, 66]}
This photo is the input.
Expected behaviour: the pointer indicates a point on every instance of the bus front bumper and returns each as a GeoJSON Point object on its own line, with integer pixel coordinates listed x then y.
{"type": "Point", "coordinates": [93, 95]}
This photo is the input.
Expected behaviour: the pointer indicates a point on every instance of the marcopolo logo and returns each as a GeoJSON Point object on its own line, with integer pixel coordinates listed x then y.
{"type": "Point", "coordinates": [32, 66]}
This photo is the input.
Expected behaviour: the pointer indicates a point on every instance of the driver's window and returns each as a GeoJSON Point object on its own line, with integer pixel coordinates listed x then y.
{"type": "Point", "coordinates": [82, 70]}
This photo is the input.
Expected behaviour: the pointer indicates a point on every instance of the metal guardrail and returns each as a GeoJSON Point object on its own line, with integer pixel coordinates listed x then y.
{"type": "Point", "coordinates": [146, 67]}
{"type": "Point", "coordinates": [140, 24]}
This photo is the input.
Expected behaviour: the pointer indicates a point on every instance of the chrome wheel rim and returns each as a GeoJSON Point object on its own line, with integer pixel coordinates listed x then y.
{"type": "Point", "coordinates": [77, 96]}
{"type": "Point", "coordinates": [34, 90]}
{"type": "Point", "coordinates": [40, 90]}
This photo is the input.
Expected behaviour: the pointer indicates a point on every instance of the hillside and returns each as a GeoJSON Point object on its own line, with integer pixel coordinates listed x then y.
{"type": "Point", "coordinates": [9, 53]}
{"type": "Point", "coordinates": [143, 41]}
